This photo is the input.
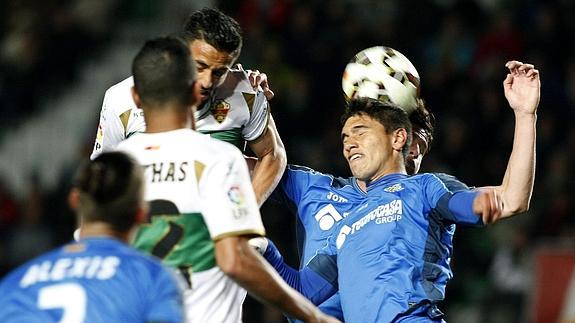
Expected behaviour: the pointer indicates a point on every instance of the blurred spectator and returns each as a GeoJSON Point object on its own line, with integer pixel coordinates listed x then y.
{"type": "Point", "coordinates": [511, 278]}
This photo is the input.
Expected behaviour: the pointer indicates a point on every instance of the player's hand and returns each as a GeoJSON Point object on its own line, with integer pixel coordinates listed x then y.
{"type": "Point", "coordinates": [522, 87]}
{"type": "Point", "coordinates": [489, 205]}
{"type": "Point", "coordinates": [260, 244]}
{"type": "Point", "coordinates": [258, 79]}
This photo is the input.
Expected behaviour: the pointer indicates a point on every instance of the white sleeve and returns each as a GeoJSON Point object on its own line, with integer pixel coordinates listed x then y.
{"type": "Point", "coordinates": [110, 130]}
{"type": "Point", "coordinates": [259, 117]}
{"type": "Point", "coordinates": [228, 201]}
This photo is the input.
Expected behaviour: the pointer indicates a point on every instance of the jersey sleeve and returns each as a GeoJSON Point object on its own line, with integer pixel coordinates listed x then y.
{"type": "Point", "coordinates": [166, 299]}
{"type": "Point", "coordinates": [228, 200]}
{"type": "Point", "coordinates": [119, 118]}
{"type": "Point", "coordinates": [259, 117]}
{"type": "Point", "coordinates": [292, 184]}
{"type": "Point", "coordinates": [110, 129]}
{"type": "Point", "coordinates": [453, 199]}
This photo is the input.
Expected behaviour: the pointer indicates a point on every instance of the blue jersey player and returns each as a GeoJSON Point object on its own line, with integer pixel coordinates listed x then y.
{"type": "Point", "coordinates": [99, 278]}
{"type": "Point", "coordinates": [321, 200]}
{"type": "Point", "coordinates": [388, 254]}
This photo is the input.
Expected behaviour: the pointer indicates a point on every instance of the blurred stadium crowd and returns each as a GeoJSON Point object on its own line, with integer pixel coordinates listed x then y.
{"type": "Point", "coordinates": [459, 48]}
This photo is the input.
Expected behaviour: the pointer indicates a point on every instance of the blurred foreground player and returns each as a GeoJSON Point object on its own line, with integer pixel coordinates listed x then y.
{"type": "Point", "coordinates": [99, 278]}
{"type": "Point", "coordinates": [203, 207]}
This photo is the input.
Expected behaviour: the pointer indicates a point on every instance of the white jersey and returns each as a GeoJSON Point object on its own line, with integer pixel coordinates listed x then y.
{"type": "Point", "coordinates": [235, 113]}
{"type": "Point", "coordinates": [199, 190]}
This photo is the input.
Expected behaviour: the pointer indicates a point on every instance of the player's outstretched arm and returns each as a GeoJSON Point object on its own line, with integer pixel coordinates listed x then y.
{"type": "Point", "coordinates": [522, 91]}
{"type": "Point", "coordinates": [310, 281]}
{"type": "Point", "coordinates": [237, 259]}
{"type": "Point", "coordinates": [272, 161]}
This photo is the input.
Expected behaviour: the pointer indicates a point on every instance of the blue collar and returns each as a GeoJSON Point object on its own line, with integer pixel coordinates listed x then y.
{"type": "Point", "coordinates": [385, 180]}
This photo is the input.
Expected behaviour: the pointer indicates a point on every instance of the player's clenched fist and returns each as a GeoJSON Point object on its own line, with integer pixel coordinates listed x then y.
{"type": "Point", "coordinates": [489, 205]}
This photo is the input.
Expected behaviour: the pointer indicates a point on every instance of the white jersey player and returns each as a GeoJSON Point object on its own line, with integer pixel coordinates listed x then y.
{"type": "Point", "coordinates": [230, 108]}
{"type": "Point", "coordinates": [120, 118]}
{"type": "Point", "coordinates": [202, 205]}
{"type": "Point", "coordinates": [199, 191]}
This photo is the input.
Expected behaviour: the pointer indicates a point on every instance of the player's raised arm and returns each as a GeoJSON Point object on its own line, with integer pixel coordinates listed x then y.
{"type": "Point", "coordinates": [522, 91]}
{"type": "Point", "coordinates": [271, 163]}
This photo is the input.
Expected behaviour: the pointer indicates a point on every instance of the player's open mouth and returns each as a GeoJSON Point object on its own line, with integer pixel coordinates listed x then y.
{"type": "Point", "coordinates": [354, 157]}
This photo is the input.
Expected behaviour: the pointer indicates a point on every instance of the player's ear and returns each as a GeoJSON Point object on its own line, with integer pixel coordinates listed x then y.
{"type": "Point", "coordinates": [73, 198]}
{"type": "Point", "coordinates": [136, 97]}
{"type": "Point", "coordinates": [399, 139]}
{"type": "Point", "coordinates": [142, 213]}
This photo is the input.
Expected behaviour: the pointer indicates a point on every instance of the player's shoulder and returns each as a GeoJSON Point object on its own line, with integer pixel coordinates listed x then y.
{"type": "Point", "coordinates": [119, 95]}
{"type": "Point", "coordinates": [201, 144]}
{"type": "Point", "coordinates": [122, 86]}
{"type": "Point", "coordinates": [307, 170]}
{"type": "Point", "coordinates": [131, 258]}
{"type": "Point", "coordinates": [314, 175]}
{"type": "Point", "coordinates": [13, 277]}
{"type": "Point", "coordinates": [218, 148]}
{"type": "Point", "coordinates": [449, 181]}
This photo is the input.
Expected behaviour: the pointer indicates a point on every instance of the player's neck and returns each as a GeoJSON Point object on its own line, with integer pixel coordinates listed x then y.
{"type": "Point", "coordinates": [101, 229]}
{"type": "Point", "coordinates": [166, 119]}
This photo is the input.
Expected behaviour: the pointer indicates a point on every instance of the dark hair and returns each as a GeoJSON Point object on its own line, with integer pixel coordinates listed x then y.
{"type": "Point", "coordinates": [390, 115]}
{"type": "Point", "coordinates": [164, 72]}
{"type": "Point", "coordinates": [111, 190]}
{"type": "Point", "coordinates": [423, 121]}
{"type": "Point", "coordinates": [215, 28]}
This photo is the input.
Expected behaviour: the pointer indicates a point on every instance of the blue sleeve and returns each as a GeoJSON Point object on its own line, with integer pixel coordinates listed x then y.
{"type": "Point", "coordinates": [452, 199]}
{"type": "Point", "coordinates": [293, 182]}
{"type": "Point", "coordinates": [317, 281]}
{"type": "Point", "coordinates": [458, 208]}
{"type": "Point", "coordinates": [166, 299]}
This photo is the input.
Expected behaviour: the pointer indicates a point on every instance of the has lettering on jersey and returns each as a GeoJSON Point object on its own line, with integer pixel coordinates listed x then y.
{"type": "Point", "coordinates": [383, 214]}
{"type": "Point", "coordinates": [95, 267]}
{"type": "Point", "coordinates": [166, 172]}
{"type": "Point", "coordinates": [336, 198]}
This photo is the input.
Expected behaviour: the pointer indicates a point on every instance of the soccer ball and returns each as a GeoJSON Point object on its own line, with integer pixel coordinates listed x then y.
{"type": "Point", "coordinates": [384, 74]}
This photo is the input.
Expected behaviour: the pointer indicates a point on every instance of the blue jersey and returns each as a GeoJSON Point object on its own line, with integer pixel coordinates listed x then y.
{"type": "Point", "coordinates": [390, 256]}
{"type": "Point", "coordinates": [319, 201]}
{"type": "Point", "coordinates": [392, 252]}
{"type": "Point", "coordinates": [94, 280]}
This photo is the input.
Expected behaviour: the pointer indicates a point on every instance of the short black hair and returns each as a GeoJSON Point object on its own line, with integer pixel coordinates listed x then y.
{"type": "Point", "coordinates": [389, 114]}
{"type": "Point", "coordinates": [110, 190]}
{"type": "Point", "coordinates": [164, 72]}
{"type": "Point", "coordinates": [423, 121]}
{"type": "Point", "coordinates": [215, 28]}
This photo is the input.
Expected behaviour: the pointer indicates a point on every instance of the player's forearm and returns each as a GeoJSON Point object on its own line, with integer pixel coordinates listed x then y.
{"type": "Point", "coordinates": [267, 173]}
{"type": "Point", "coordinates": [252, 272]}
{"type": "Point", "coordinates": [517, 186]}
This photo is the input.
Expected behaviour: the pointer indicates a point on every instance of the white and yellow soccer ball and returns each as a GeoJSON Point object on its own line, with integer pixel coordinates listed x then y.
{"type": "Point", "coordinates": [384, 74]}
